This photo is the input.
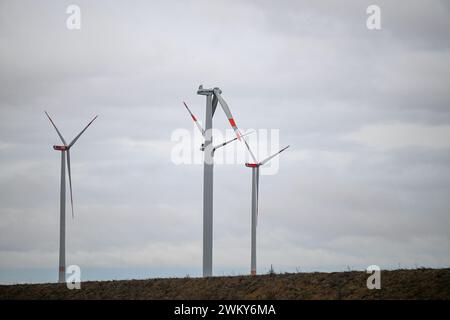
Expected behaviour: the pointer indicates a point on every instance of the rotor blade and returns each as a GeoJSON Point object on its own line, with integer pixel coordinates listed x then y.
{"type": "Point", "coordinates": [59, 133]}
{"type": "Point", "coordinates": [227, 142]}
{"type": "Point", "coordinates": [257, 195]}
{"type": "Point", "coordinates": [195, 119]}
{"type": "Point", "coordinates": [250, 151]}
{"type": "Point", "coordinates": [275, 154]}
{"type": "Point", "coordinates": [228, 113]}
{"type": "Point", "coordinates": [76, 138]}
{"type": "Point", "coordinates": [70, 179]}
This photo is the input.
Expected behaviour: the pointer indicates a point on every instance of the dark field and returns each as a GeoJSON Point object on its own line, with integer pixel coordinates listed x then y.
{"type": "Point", "coordinates": [396, 284]}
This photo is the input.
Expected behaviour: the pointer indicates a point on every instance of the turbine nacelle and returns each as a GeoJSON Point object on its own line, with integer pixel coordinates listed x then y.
{"type": "Point", "coordinates": [208, 92]}
{"type": "Point", "coordinates": [252, 165]}
{"type": "Point", "coordinates": [60, 148]}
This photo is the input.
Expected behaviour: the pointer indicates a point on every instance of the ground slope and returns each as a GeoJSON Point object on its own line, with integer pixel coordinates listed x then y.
{"type": "Point", "coordinates": [396, 284]}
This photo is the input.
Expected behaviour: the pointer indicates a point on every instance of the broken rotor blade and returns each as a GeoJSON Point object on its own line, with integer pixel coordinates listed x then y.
{"type": "Point", "coordinates": [214, 104]}
{"type": "Point", "coordinates": [227, 111]}
{"type": "Point", "coordinates": [195, 119]}
{"type": "Point", "coordinates": [231, 140]}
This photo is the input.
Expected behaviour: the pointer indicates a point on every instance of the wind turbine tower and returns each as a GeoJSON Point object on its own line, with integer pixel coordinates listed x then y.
{"type": "Point", "coordinates": [213, 96]}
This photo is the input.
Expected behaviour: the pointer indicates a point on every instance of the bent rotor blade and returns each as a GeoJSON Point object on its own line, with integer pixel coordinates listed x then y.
{"type": "Point", "coordinates": [76, 138]}
{"type": "Point", "coordinates": [70, 179]}
{"type": "Point", "coordinates": [227, 142]}
{"type": "Point", "coordinates": [228, 113]}
{"type": "Point", "coordinates": [214, 104]}
{"type": "Point", "coordinates": [59, 133]}
{"type": "Point", "coordinates": [195, 119]}
{"type": "Point", "coordinates": [275, 154]}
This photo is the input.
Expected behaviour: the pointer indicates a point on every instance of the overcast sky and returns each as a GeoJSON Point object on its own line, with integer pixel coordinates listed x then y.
{"type": "Point", "coordinates": [366, 112]}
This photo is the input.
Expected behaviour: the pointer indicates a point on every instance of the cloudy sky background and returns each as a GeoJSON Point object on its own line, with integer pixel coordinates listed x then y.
{"type": "Point", "coordinates": [367, 114]}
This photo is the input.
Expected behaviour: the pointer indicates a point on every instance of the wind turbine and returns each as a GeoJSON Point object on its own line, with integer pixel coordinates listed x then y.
{"type": "Point", "coordinates": [255, 195]}
{"type": "Point", "coordinates": [213, 97]}
{"type": "Point", "coordinates": [65, 148]}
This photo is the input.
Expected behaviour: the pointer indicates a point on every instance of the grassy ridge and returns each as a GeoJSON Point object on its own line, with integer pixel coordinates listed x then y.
{"type": "Point", "coordinates": [395, 284]}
